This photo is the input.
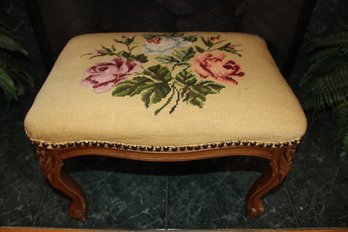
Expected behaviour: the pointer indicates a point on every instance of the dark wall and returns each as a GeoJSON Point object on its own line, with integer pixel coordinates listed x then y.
{"type": "Point", "coordinates": [328, 16]}
{"type": "Point", "coordinates": [275, 20]}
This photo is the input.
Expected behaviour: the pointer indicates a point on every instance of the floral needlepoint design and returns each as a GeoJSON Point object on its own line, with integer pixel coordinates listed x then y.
{"type": "Point", "coordinates": [103, 76]}
{"type": "Point", "coordinates": [187, 72]}
{"type": "Point", "coordinates": [215, 66]}
{"type": "Point", "coordinates": [164, 45]}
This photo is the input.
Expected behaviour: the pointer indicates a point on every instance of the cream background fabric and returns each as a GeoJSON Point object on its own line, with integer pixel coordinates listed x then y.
{"type": "Point", "coordinates": [260, 108]}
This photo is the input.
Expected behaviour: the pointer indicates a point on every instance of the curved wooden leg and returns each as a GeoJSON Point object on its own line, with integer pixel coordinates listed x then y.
{"type": "Point", "coordinates": [51, 164]}
{"type": "Point", "coordinates": [280, 165]}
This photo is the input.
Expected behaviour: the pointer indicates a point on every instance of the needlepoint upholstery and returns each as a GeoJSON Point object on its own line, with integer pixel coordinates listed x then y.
{"type": "Point", "coordinates": [165, 89]}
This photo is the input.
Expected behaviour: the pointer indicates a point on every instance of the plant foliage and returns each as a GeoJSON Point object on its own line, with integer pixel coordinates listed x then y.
{"type": "Point", "coordinates": [325, 83]}
{"type": "Point", "coordinates": [13, 77]}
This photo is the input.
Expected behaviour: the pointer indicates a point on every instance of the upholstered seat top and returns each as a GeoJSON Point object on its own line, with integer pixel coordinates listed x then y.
{"type": "Point", "coordinates": [165, 89]}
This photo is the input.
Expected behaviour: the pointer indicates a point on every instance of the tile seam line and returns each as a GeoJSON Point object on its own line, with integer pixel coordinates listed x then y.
{"type": "Point", "coordinates": [291, 204]}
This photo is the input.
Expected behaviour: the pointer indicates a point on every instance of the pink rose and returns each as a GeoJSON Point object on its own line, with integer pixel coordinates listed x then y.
{"type": "Point", "coordinates": [103, 76]}
{"type": "Point", "coordinates": [209, 65]}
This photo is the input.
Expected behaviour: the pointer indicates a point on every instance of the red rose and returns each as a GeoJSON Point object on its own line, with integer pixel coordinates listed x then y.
{"type": "Point", "coordinates": [215, 66]}
{"type": "Point", "coordinates": [103, 76]}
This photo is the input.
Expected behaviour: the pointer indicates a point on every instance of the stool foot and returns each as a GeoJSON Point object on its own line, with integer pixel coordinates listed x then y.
{"type": "Point", "coordinates": [52, 166]}
{"type": "Point", "coordinates": [280, 165]}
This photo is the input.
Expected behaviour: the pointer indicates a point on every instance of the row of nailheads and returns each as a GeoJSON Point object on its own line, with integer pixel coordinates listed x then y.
{"type": "Point", "coordinates": [164, 148]}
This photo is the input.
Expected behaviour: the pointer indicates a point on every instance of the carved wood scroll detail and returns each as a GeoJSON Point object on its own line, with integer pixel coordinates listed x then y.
{"type": "Point", "coordinates": [51, 164]}
{"type": "Point", "coordinates": [280, 165]}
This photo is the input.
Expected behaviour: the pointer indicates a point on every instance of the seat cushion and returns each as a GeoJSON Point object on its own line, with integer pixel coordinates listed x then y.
{"type": "Point", "coordinates": [165, 89]}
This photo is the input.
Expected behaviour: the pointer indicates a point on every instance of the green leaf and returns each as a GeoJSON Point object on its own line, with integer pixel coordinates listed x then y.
{"type": "Point", "coordinates": [167, 59]}
{"type": "Point", "coordinates": [155, 93]}
{"type": "Point", "coordinates": [194, 92]}
{"type": "Point", "coordinates": [126, 55]}
{"type": "Point", "coordinates": [127, 41]}
{"type": "Point", "coordinates": [184, 55]}
{"type": "Point", "coordinates": [207, 42]}
{"type": "Point", "coordinates": [228, 48]}
{"type": "Point", "coordinates": [179, 57]}
{"type": "Point", "coordinates": [209, 87]}
{"type": "Point", "coordinates": [327, 85]}
{"type": "Point", "coordinates": [191, 38]}
{"type": "Point", "coordinates": [151, 36]}
{"type": "Point", "coordinates": [9, 42]}
{"type": "Point", "coordinates": [199, 49]}
{"type": "Point", "coordinates": [7, 85]}
{"type": "Point", "coordinates": [141, 58]}
{"type": "Point", "coordinates": [174, 34]}
{"type": "Point", "coordinates": [186, 78]}
{"type": "Point", "coordinates": [159, 72]}
{"type": "Point", "coordinates": [13, 67]}
{"type": "Point", "coordinates": [132, 87]}
{"type": "Point", "coordinates": [20, 88]}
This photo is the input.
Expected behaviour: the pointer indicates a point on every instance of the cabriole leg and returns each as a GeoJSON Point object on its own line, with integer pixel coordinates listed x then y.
{"type": "Point", "coordinates": [280, 164]}
{"type": "Point", "coordinates": [52, 166]}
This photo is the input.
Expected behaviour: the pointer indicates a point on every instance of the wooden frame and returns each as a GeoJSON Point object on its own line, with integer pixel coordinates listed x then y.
{"type": "Point", "coordinates": [51, 161]}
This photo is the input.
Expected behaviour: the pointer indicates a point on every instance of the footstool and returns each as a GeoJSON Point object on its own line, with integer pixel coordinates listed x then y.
{"type": "Point", "coordinates": [165, 97]}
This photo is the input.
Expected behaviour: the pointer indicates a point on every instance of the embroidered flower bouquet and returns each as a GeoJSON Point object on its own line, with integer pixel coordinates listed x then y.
{"type": "Point", "coordinates": [186, 73]}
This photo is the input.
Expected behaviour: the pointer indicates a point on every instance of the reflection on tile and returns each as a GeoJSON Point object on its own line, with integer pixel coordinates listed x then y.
{"type": "Point", "coordinates": [21, 181]}
{"type": "Point", "coordinates": [121, 194]}
{"type": "Point", "coordinates": [211, 194]}
{"type": "Point", "coordinates": [318, 183]}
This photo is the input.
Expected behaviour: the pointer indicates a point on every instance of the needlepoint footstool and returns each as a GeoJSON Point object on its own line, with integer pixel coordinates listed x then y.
{"type": "Point", "coordinates": [165, 97]}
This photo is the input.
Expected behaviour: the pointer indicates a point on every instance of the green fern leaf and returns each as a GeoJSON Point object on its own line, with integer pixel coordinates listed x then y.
{"type": "Point", "coordinates": [327, 86]}
{"type": "Point", "coordinates": [7, 85]}
{"type": "Point", "coordinates": [9, 43]}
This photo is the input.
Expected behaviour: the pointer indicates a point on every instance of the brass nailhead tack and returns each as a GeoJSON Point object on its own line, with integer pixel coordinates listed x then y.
{"type": "Point", "coordinates": [36, 143]}
{"type": "Point", "coordinates": [77, 144]}
{"type": "Point", "coordinates": [62, 145]}
{"type": "Point", "coordinates": [261, 144]}
{"type": "Point", "coordinates": [165, 148]}
{"type": "Point", "coordinates": [54, 145]}
{"type": "Point", "coordinates": [119, 145]}
{"type": "Point", "coordinates": [70, 144]}
{"type": "Point", "coordinates": [102, 144]}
